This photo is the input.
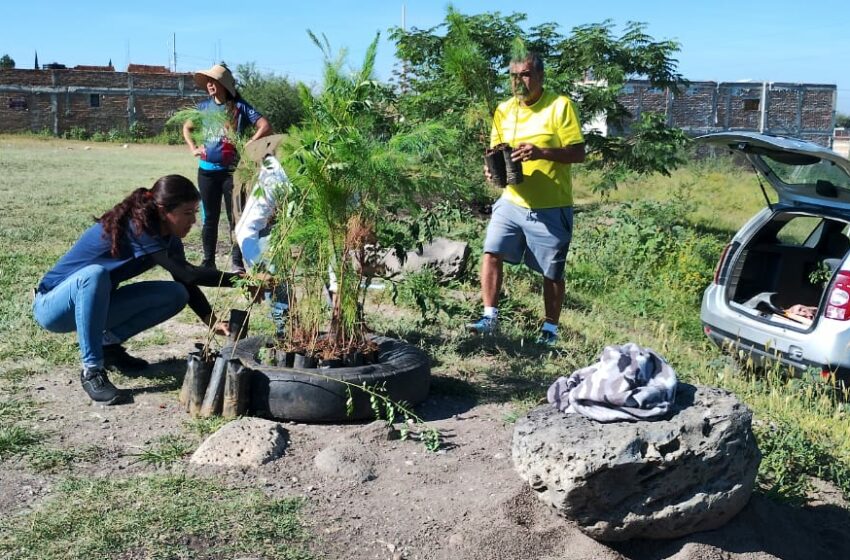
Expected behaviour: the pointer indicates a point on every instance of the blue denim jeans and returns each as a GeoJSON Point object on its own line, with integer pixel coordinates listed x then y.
{"type": "Point", "coordinates": [85, 302]}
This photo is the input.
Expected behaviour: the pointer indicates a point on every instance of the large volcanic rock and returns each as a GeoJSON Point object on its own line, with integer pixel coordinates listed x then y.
{"type": "Point", "coordinates": [692, 471]}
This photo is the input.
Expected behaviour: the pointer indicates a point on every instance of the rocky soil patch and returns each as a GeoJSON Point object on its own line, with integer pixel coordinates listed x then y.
{"type": "Point", "coordinates": [369, 495]}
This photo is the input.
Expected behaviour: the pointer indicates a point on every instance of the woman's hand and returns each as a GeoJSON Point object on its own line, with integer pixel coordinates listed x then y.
{"type": "Point", "coordinates": [218, 327]}
{"type": "Point", "coordinates": [221, 328]}
{"type": "Point", "coordinates": [188, 127]}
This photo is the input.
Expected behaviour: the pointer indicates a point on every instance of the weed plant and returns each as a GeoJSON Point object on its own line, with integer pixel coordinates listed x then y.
{"type": "Point", "coordinates": [203, 427]}
{"type": "Point", "coordinates": [166, 450]}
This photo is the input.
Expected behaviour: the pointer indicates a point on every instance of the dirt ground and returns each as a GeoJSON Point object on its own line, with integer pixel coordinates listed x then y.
{"type": "Point", "coordinates": [463, 502]}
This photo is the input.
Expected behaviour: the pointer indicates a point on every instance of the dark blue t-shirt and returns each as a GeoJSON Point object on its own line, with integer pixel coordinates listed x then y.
{"type": "Point", "coordinates": [93, 248]}
{"type": "Point", "coordinates": [219, 144]}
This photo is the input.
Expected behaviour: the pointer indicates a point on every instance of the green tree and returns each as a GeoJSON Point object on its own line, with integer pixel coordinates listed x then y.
{"type": "Point", "coordinates": [842, 120]}
{"type": "Point", "coordinates": [6, 61]}
{"type": "Point", "coordinates": [273, 96]}
{"type": "Point", "coordinates": [591, 65]}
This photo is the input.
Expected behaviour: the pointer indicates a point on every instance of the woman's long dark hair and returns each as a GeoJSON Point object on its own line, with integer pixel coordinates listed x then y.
{"type": "Point", "coordinates": [141, 208]}
{"type": "Point", "coordinates": [230, 104]}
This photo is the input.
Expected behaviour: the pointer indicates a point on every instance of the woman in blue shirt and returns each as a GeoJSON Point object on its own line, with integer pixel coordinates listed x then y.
{"type": "Point", "coordinates": [83, 292]}
{"type": "Point", "coordinates": [225, 116]}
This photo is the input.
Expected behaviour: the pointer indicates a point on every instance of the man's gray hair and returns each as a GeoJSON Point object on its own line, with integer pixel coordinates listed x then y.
{"type": "Point", "coordinates": [534, 58]}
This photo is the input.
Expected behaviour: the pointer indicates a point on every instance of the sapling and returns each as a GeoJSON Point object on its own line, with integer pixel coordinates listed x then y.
{"type": "Point", "coordinates": [353, 162]}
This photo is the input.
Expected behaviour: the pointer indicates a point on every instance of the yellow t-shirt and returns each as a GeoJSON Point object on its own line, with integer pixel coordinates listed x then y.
{"type": "Point", "coordinates": [552, 122]}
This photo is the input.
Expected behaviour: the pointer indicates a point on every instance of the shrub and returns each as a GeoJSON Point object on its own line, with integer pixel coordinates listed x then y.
{"type": "Point", "coordinates": [76, 133]}
{"type": "Point", "coordinates": [273, 96]}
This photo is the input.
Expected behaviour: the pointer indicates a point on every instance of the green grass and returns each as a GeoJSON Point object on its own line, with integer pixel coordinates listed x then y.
{"type": "Point", "coordinates": [46, 459]}
{"type": "Point", "coordinates": [164, 451]}
{"type": "Point", "coordinates": [157, 517]}
{"type": "Point", "coordinates": [203, 427]}
{"type": "Point", "coordinates": [16, 439]}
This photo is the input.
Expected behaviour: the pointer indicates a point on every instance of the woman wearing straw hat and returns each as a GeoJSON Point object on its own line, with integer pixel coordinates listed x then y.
{"type": "Point", "coordinates": [225, 116]}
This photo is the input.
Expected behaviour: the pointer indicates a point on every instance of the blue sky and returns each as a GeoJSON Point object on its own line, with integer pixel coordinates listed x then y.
{"type": "Point", "coordinates": [722, 40]}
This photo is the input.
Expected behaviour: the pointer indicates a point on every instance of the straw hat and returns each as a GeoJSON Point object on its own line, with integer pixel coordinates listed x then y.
{"type": "Point", "coordinates": [219, 73]}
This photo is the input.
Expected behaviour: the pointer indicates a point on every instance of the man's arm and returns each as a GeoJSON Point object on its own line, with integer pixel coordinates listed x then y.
{"type": "Point", "coordinates": [574, 153]}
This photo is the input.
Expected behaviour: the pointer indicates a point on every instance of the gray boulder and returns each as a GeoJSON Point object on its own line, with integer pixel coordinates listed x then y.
{"type": "Point", "coordinates": [247, 442]}
{"type": "Point", "coordinates": [691, 471]}
{"type": "Point", "coordinates": [446, 257]}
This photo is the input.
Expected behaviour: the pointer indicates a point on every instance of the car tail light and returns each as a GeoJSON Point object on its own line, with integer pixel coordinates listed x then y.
{"type": "Point", "coordinates": [838, 304]}
{"type": "Point", "coordinates": [720, 263]}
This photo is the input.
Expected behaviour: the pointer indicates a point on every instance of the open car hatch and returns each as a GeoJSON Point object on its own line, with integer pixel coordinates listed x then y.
{"type": "Point", "coordinates": [801, 172]}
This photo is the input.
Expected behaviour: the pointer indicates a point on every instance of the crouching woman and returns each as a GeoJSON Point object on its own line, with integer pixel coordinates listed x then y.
{"type": "Point", "coordinates": [86, 292]}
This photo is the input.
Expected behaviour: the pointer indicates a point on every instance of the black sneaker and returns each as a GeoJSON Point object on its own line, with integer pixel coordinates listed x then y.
{"type": "Point", "coordinates": [115, 355]}
{"type": "Point", "coordinates": [98, 387]}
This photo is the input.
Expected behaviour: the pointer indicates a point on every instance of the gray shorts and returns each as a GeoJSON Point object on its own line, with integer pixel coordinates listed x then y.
{"type": "Point", "coordinates": [540, 238]}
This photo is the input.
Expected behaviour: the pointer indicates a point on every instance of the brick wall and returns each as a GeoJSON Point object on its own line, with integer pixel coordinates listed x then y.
{"type": "Point", "coordinates": [97, 101]}
{"type": "Point", "coordinates": [800, 110]}
{"type": "Point", "coordinates": [694, 106]}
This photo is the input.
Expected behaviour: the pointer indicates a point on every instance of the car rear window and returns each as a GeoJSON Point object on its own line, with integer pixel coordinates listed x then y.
{"type": "Point", "coordinates": [808, 172]}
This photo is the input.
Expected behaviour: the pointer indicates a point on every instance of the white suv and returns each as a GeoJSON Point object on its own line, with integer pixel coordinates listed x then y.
{"type": "Point", "coordinates": [782, 287]}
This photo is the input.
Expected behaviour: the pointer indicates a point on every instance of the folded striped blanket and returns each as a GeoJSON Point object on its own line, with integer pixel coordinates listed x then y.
{"type": "Point", "coordinates": [627, 383]}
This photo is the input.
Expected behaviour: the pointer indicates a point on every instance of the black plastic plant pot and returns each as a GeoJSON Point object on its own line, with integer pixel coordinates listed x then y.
{"type": "Point", "coordinates": [513, 169]}
{"type": "Point", "coordinates": [330, 363]}
{"type": "Point", "coordinates": [401, 371]}
{"type": "Point", "coordinates": [302, 361]}
{"type": "Point", "coordinates": [353, 359]}
{"type": "Point", "coordinates": [284, 358]}
{"type": "Point", "coordinates": [238, 324]}
{"type": "Point", "coordinates": [199, 367]}
{"type": "Point", "coordinates": [495, 162]}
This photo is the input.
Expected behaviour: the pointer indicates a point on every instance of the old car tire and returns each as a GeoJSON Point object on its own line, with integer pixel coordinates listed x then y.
{"type": "Point", "coordinates": [403, 370]}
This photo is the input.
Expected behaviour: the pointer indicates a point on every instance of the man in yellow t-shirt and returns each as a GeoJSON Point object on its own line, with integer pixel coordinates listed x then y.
{"type": "Point", "coordinates": [532, 222]}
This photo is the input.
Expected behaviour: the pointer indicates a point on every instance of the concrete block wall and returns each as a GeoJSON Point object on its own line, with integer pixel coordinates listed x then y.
{"type": "Point", "coordinates": [800, 110]}
{"type": "Point", "coordinates": [60, 100]}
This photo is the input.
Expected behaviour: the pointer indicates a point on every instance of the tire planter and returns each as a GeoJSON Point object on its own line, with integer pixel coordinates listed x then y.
{"type": "Point", "coordinates": [300, 394]}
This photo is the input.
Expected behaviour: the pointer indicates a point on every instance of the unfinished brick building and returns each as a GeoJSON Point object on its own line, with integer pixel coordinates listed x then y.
{"type": "Point", "coordinates": [96, 99]}
{"type": "Point", "coordinates": [800, 110]}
